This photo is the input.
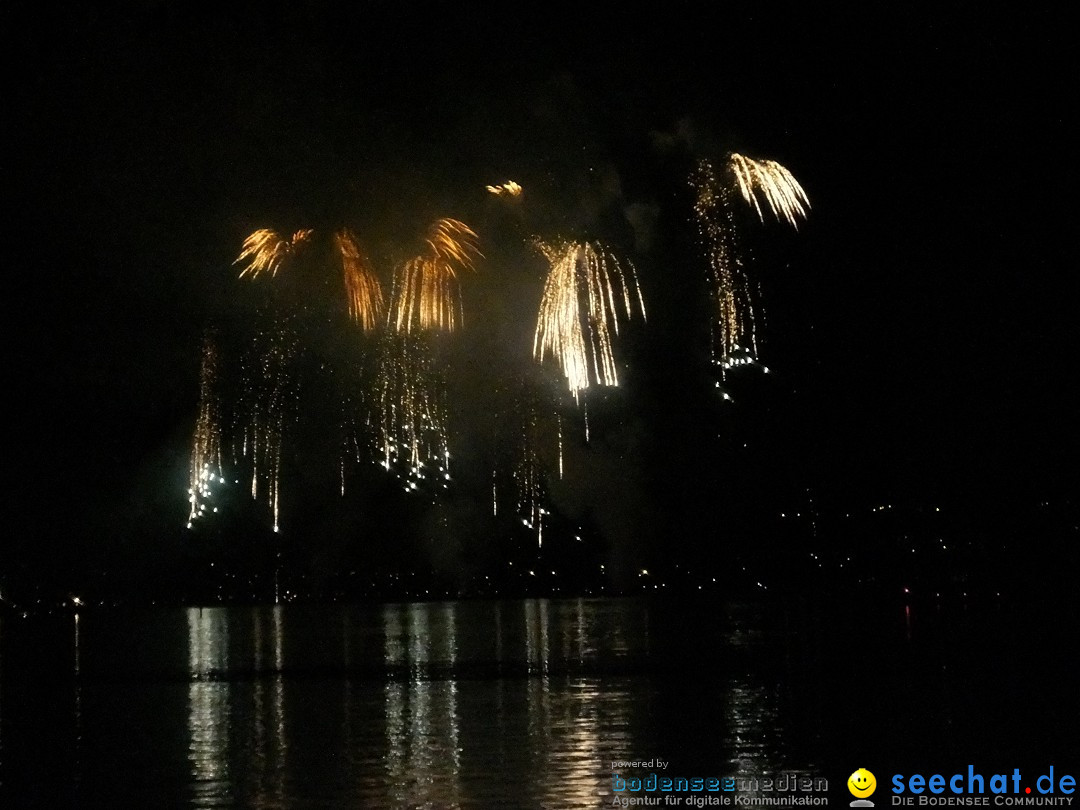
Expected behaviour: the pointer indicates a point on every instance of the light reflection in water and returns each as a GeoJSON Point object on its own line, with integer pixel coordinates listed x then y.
{"type": "Point", "coordinates": [78, 703]}
{"type": "Point", "coordinates": [237, 729]}
{"type": "Point", "coordinates": [208, 705]}
{"type": "Point", "coordinates": [268, 697]}
{"type": "Point", "coordinates": [536, 661]}
{"type": "Point", "coordinates": [572, 720]}
{"type": "Point", "coordinates": [471, 705]}
{"type": "Point", "coordinates": [422, 759]}
{"type": "Point", "coordinates": [754, 732]}
{"type": "Point", "coordinates": [536, 688]}
{"type": "Point", "coordinates": [751, 715]}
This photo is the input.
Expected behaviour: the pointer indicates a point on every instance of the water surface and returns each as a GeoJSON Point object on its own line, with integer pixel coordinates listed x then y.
{"type": "Point", "coordinates": [479, 704]}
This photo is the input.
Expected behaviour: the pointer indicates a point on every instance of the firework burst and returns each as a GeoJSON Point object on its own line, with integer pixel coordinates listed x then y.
{"type": "Point", "coordinates": [266, 250]}
{"type": "Point", "coordinates": [427, 293]}
{"type": "Point", "coordinates": [771, 181]}
{"type": "Point", "coordinates": [734, 294]}
{"type": "Point", "coordinates": [362, 290]}
{"type": "Point", "coordinates": [586, 290]}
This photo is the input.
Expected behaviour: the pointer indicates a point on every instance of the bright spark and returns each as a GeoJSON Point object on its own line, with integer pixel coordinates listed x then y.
{"type": "Point", "coordinates": [779, 188]}
{"type": "Point", "coordinates": [362, 289]}
{"type": "Point", "coordinates": [265, 251]}
{"type": "Point", "coordinates": [205, 466]}
{"type": "Point", "coordinates": [586, 290]}
{"type": "Point", "coordinates": [507, 189]}
{"type": "Point", "coordinates": [427, 294]}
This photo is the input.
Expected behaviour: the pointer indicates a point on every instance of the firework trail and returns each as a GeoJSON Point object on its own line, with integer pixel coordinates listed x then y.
{"type": "Point", "coordinates": [265, 251]}
{"type": "Point", "coordinates": [529, 440]}
{"type": "Point", "coordinates": [362, 290]}
{"type": "Point", "coordinates": [586, 289]}
{"type": "Point", "coordinates": [269, 406]}
{"type": "Point", "coordinates": [359, 418]}
{"type": "Point", "coordinates": [205, 468]}
{"type": "Point", "coordinates": [413, 441]}
{"type": "Point", "coordinates": [413, 435]}
{"type": "Point", "coordinates": [767, 178]}
{"type": "Point", "coordinates": [427, 294]}
{"type": "Point", "coordinates": [529, 475]}
{"type": "Point", "coordinates": [735, 296]}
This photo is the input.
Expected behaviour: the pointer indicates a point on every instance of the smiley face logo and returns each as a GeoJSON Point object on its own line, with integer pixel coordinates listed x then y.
{"type": "Point", "coordinates": [861, 783]}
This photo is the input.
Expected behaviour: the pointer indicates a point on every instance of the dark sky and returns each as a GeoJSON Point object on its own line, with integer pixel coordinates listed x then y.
{"type": "Point", "coordinates": [920, 324]}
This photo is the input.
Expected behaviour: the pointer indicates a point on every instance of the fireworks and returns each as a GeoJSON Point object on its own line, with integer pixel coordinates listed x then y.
{"type": "Point", "coordinates": [427, 295]}
{"type": "Point", "coordinates": [205, 467]}
{"type": "Point", "coordinates": [585, 291]}
{"type": "Point", "coordinates": [412, 403]}
{"type": "Point", "coordinates": [734, 294]}
{"type": "Point", "coordinates": [729, 285]}
{"type": "Point", "coordinates": [265, 251]}
{"type": "Point", "coordinates": [528, 473]}
{"type": "Point", "coordinates": [269, 406]}
{"type": "Point", "coordinates": [529, 433]}
{"type": "Point", "coordinates": [393, 406]}
{"type": "Point", "coordinates": [362, 289]}
{"type": "Point", "coordinates": [507, 189]}
{"type": "Point", "coordinates": [782, 192]}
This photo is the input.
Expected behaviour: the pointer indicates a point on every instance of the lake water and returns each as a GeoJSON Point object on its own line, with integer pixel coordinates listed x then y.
{"type": "Point", "coordinates": [523, 704]}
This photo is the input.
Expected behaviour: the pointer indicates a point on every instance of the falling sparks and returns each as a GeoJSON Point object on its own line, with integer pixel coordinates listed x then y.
{"type": "Point", "coordinates": [729, 285]}
{"type": "Point", "coordinates": [265, 251]}
{"type": "Point", "coordinates": [413, 437]}
{"type": "Point", "coordinates": [362, 290]}
{"type": "Point", "coordinates": [205, 463]}
{"type": "Point", "coordinates": [271, 397]}
{"type": "Point", "coordinates": [529, 431]}
{"type": "Point", "coordinates": [734, 294]}
{"type": "Point", "coordinates": [427, 293]}
{"type": "Point", "coordinates": [529, 483]}
{"type": "Point", "coordinates": [358, 416]}
{"type": "Point", "coordinates": [393, 405]}
{"type": "Point", "coordinates": [586, 290]}
{"type": "Point", "coordinates": [767, 178]}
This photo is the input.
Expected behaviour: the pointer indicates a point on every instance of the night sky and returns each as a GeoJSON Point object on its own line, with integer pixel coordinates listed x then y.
{"type": "Point", "coordinates": [920, 332]}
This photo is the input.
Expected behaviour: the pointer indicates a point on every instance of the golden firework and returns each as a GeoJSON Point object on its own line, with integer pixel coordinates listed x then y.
{"type": "Point", "coordinates": [507, 189]}
{"type": "Point", "coordinates": [714, 212]}
{"type": "Point", "coordinates": [413, 416]}
{"type": "Point", "coordinates": [767, 178]}
{"type": "Point", "coordinates": [265, 250]}
{"type": "Point", "coordinates": [586, 289]}
{"type": "Point", "coordinates": [270, 400]}
{"type": "Point", "coordinates": [427, 294]}
{"type": "Point", "coordinates": [735, 317]}
{"type": "Point", "coordinates": [362, 289]}
{"type": "Point", "coordinates": [205, 467]}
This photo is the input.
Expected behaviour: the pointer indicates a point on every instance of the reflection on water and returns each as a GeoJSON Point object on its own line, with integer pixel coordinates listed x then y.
{"type": "Point", "coordinates": [217, 700]}
{"type": "Point", "coordinates": [208, 704]}
{"type": "Point", "coordinates": [751, 719]}
{"type": "Point", "coordinates": [483, 704]}
{"type": "Point", "coordinates": [423, 758]}
{"type": "Point", "coordinates": [753, 728]}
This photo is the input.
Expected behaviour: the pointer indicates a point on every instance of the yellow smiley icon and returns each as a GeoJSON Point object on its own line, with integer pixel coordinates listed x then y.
{"type": "Point", "coordinates": [861, 783]}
